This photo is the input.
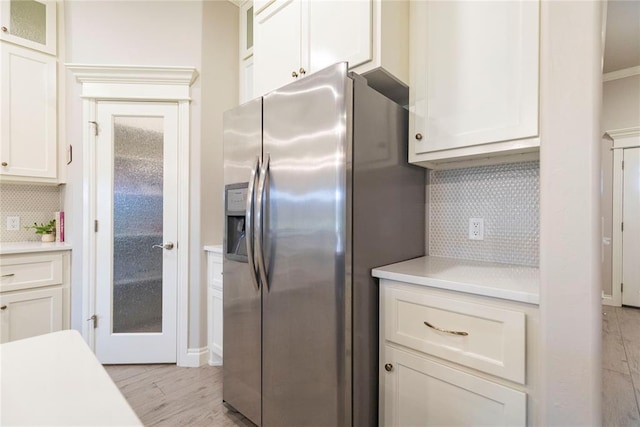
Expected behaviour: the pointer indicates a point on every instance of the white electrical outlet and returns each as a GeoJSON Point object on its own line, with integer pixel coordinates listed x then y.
{"type": "Point", "coordinates": [13, 223]}
{"type": "Point", "coordinates": [476, 229]}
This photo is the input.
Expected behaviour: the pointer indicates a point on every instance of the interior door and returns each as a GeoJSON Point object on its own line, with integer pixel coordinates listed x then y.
{"type": "Point", "coordinates": [136, 269]}
{"type": "Point", "coordinates": [631, 232]}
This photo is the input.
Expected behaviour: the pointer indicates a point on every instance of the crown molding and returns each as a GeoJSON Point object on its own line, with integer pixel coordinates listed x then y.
{"type": "Point", "coordinates": [621, 74]}
{"type": "Point", "coordinates": [146, 83]}
{"type": "Point", "coordinates": [133, 74]}
{"type": "Point", "coordinates": [624, 133]}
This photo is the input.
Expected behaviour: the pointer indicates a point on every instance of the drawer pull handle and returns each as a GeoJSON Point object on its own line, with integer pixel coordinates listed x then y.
{"type": "Point", "coordinates": [8, 275]}
{"type": "Point", "coordinates": [4, 307]}
{"type": "Point", "coordinates": [461, 333]}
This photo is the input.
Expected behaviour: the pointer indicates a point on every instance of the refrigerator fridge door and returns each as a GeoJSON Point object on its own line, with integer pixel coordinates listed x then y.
{"type": "Point", "coordinates": [306, 365]}
{"type": "Point", "coordinates": [242, 299]}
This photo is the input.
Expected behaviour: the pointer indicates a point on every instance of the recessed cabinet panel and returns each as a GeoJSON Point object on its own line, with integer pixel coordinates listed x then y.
{"type": "Point", "coordinates": [29, 23]}
{"type": "Point", "coordinates": [28, 114]}
{"type": "Point", "coordinates": [277, 51]}
{"type": "Point", "coordinates": [347, 38]}
{"type": "Point", "coordinates": [474, 74]}
{"type": "Point", "coordinates": [29, 313]}
{"type": "Point", "coordinates": [421, 392]}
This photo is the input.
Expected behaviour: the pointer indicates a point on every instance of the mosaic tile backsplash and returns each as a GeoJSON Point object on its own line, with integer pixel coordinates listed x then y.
{"type": "Point", "coordinates": [32, 203]}
{"type": "Point", "coordinates": [507, 197]}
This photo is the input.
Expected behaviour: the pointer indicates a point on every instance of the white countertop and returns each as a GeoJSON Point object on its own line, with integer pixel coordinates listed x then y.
{"type": "Point", "coordinates": [28, 247]}
{"type": "Point", "coordinates": [506, 281]}
{"type": "Point", "coordinates": [213, 248]}
{"type": "Point", "coordinates": [55, 380]}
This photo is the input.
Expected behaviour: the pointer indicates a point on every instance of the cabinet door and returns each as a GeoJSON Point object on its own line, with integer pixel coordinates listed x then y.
{"type": "Point", "coordinates": [29, 23]}
{"type": "Point", "coordinates": [420, 392]}
{"type": "Point", "coordinates": [277, 52]}
{"type": "Point", "coordinates": [30, 313]}
{"type": "Point", "coordinates": [246, 80]}
{"type": "Point", "coordinates": [474, 73]}
{"type": "Point", "coordinates": [246, 29]}
{"type": "Point", "coordinates": [348, 38]}
{"type": "Point", "coordinates": [27, 113]}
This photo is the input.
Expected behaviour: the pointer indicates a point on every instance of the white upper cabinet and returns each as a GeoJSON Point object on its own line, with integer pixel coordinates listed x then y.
{"type": "Point", "coordinates": [474, 80]}
{"type": "Point", "coordinates": [29, 23]}
{"type": "Point", "coordinates": [296, 37]}
{"type": "Point", "coordinates": [277, 57]}
{"type": "Point", "coordinates": [339, 31]}
{"type": "Point", "coordinates": [246, 51]}
{"type": "Point", "coordinates": [28, 131]}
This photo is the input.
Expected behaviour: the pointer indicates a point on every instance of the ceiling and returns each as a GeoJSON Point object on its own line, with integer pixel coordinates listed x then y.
{"type": "Point", "coordinates": [622, 42]}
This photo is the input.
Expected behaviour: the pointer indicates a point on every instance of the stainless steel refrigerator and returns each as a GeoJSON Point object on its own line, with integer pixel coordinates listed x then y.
{"type": "Point", "coordinates": [317, 192]}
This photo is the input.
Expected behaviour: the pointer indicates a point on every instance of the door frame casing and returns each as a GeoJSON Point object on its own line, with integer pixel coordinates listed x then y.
{"type": "Point", "coordinates": [622, 138]}
{"type": "Point", "coordinates": [130, 84]}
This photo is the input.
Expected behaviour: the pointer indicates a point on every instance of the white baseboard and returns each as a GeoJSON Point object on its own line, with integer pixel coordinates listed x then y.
{"type": "Point", "coordinates": [214, 359]}
{"type": "Point", "coordinates": [608, 300]}
{"type": "Point", "coordinates": [194, 358]}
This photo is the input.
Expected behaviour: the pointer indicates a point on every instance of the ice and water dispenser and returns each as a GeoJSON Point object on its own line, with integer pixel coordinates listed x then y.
{"type": "Point", "coordinates": [234, 212]}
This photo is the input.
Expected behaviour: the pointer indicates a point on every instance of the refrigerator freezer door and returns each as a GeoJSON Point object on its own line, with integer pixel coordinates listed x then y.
{"type": "Point", "coordinates": [306, 305]}
{"type": "Point", "coordinates": [242, 301]}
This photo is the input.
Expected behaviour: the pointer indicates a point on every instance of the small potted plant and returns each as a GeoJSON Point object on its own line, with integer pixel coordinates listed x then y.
{"type": "Point", "coordinates": [48, 230]}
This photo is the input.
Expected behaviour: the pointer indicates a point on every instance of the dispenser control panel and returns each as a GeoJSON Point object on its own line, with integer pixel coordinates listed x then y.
{"type": "Point", "coordinates": [237, 199]}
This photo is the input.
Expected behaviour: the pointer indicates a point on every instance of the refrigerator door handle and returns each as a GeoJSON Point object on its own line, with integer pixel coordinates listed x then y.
{"type": "Point", "coordinates": [260, 219]}
{"type": "Point", "coordinates": [249, 223]}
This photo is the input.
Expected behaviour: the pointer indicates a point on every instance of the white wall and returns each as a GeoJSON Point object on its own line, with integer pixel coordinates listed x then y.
{"type": "Point", "coordinates": [163, 33]}
{"type": "Point", "coordinates": [219, 79]}
{"type": "Point", "coordinates": [570, 134]}
{"type": "Point", "coordinates": [621, 103]}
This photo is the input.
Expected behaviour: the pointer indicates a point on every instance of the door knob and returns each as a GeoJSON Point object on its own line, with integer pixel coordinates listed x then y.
{"type": "Point", "coordinates": [168, 246]}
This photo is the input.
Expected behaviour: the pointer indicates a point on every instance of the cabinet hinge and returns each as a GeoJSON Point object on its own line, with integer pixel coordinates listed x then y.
{"type": "Point", "coordinates": [622, 226]}
{"type": "Point", "coordinates": [621, 287]}
{"type": "Point", "coordinates": [95, 226]}
{"type": "Point", "coordinates": [623, 165]}
{"type": "Point", "coordinates": [95, 127]}
{"type": "Point", "coordinates": [94, 318]}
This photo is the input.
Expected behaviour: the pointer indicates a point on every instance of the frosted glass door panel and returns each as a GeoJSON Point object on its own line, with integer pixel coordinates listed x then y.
{"type": "Point", "coordinates": [137, 224]}
{"type": "Point", "coordinates": [29, 23]}
{"type": "Point", "coordinates": [29, 20]}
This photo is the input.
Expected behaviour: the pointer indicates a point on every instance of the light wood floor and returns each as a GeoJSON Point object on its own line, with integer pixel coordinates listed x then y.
{"type": "Point", "coordinates": [165, 395]}
{"type": "Point", "coordinates": [621, 366]}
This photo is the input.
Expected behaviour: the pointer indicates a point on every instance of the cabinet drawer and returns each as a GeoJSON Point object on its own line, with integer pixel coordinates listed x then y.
{"type": "Point", "coordinates": [30, 272]}
{"type": "Point", "coordinates": [494, 342]}
{"type": "Point", "coordinates": [214, 270]}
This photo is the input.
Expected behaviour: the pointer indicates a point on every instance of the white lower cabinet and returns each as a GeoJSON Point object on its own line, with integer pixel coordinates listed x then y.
{"type": "Point", "coordinates": [214, 299]}
{"type": "Point", "coordinates": [421, 392]}
{"type": "Point", "coordinates": [451, 359]}
{"type": "Point", "coordinates": [34, 294]}
{"type": "Point", "coordinates": [29, 313]}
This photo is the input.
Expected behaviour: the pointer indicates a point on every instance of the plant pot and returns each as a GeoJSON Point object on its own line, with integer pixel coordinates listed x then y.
{"type": "Point", "coordinates": [49, 237]}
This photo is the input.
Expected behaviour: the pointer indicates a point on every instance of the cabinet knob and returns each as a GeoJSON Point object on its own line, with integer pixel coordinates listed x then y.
{"type": "Point", "coordinates": [388, 367]}
{"type": "Point", "coordinates": [303, 71]}
{"type": "Point", "coordinates": [294, 75]}
{"type": "Point", "coordinates": [4, 29]}
{"type": "Point", "coordinates": [5, 164]}
{"type": "Point", "coordinates": [4, 307]}
{"type": "Point", "coordinates": [419, 136]}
